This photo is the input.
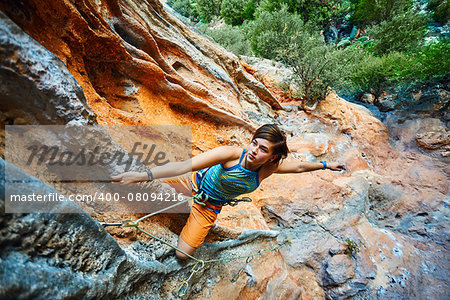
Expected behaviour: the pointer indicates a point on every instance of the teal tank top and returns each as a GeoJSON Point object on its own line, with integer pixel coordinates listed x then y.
{"type": "Point", "coordinates": [223, 184]}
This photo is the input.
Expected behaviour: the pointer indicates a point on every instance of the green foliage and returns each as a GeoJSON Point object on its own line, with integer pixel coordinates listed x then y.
{"type": "Point", "coordinates": [312, 11]}
{"type": "Point", "coordinates": [397, 68]}
{"type": "Point", "coordinates": [431, 61]}
{"type": "Point", "coordinates": [231, 38]}
{"type": "Point", "coordinates": [403, 32]}
{"type": "Point", "coordinates": [370, 12]}
{"type": "Point", "coordinates": [208, 9]}
{"type": "Point", "coordinates": [377, 73]}
{"type": "Point", "coordinates": [184, 7]}
{"type": "Point", "coordinates": [440, 10]}
{"type": "Point", "coordinates": [285, 30]}
{"type": "Point", "coordinates": [272, 31]}
{"type": "Point", "coordinates": [318, 68]}
{"type": "Point", "coordinates": [235, 12]}
{"type": "Point", "coordinates": [352, 247]}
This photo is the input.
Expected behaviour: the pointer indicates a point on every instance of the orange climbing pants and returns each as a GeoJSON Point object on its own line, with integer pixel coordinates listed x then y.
{"type": "Point", "coordinates": [201, 219]}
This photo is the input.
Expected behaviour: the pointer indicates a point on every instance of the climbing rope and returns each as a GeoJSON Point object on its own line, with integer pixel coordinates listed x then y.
{"type": "Point", "coordinates": [200, 263]}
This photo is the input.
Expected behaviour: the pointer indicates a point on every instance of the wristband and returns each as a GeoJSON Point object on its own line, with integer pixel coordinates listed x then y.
{"type": "Point", "coordinates": [150, 174]}
{"type": "Point", "coordinates": [324, 164]}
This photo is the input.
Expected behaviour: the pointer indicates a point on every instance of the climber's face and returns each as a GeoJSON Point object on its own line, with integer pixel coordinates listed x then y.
{"type": "Point", "coordinates": [260, 151]}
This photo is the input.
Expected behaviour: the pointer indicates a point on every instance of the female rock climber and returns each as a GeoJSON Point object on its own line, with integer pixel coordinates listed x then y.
{"type": "Point", "coordinates": [224, 173]}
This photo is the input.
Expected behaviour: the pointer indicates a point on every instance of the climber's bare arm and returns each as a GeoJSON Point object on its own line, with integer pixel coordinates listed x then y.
{"type": "Point", "coordinates": [295, 166]}
{"type": "Point", "coordinates": [204, 160]}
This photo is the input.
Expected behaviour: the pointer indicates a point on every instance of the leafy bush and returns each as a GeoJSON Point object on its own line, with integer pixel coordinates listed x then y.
{"type": "Point", "coordinates": [352, 247]}
{"type": "Point", "coordinates": [390, 55]}
{"type": "Point", "coordinates": [375, 74]}
{"type": "Point", "coordinates": [313, 11]}
{"type": "Point", "coordinates": [397, 68]}
{"type": "Point", "coordinates": [318, 68]}
{"type": "Point", "coordinates": [440, 10]}
{"type": "Point", "coordinates": [370, 12]}
{"type": "Point", "coordinates": [403, 32]}
{"type": "Point", "coordinates": [272, 31]}
{"type": "Point", "coordinates": [231, 38]}
{"type": "Point", "coordinates": [208, 9]}
{"type": "Point", "coordinates": [430, 62]}
{"type": "Point", "coordinates": [235, 12]}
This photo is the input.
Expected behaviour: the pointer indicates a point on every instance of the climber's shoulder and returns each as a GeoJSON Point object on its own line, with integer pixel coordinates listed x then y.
{"type": "Point", "coordinates": [218, 155]}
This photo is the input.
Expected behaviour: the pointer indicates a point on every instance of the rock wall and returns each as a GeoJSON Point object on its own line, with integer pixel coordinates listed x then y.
{"type": "Point", "coordinates": [139, 65]}
{"type": "Point", "coordinates": [136, 64]}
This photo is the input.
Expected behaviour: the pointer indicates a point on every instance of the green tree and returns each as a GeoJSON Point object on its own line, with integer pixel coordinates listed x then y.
{"type": "Point", "coordinates": [311, 11]}
{"type": "Point", "coordinates": [272, 31]}
{"type": "Point", "coordinates": [184, 7]}
{"type": "Point", "coordinates": [208, 9]}
{"type": "Point", "coordinates": [440, 10]}
{"type": "Point", "coordinates": [235, 12]}
{"type": "Point", "coordinates": [232, 38]}
{"type": "Point", "coordinates": [371, 12]}
{"type": "Point", "coordinates": [317, 67]}
{"type": "Point", "coordinates": [232, 11]}
{"type": "Point", "coordinates": [377, 73]}
{"type": "Point", "coordinates": [404, 32]}
{"type": "Point", "coordinates": [432, 61]}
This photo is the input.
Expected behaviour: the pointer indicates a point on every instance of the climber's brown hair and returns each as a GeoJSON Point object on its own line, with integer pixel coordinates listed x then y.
{"type": "Point", "coordinates": [273, 134]}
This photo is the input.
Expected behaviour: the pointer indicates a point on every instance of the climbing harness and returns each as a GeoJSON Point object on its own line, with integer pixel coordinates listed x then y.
{"type": "Point", "coordinates": [203, 198]}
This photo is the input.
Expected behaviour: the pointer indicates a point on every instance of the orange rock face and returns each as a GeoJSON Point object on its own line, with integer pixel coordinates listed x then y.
{"type": "Point", "coordinates": [135, 71]}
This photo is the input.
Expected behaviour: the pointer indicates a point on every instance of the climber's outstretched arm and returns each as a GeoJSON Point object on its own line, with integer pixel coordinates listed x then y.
{"type": "Point", "coordinates": [207, 159]}
{"type": "Point", "coordinates": [295, 166]}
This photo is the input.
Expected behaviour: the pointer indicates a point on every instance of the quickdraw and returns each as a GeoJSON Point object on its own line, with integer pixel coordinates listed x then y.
{"type": "Point", "coordinates": [236, 277]}
{"type": "Point", "coordinates": [181, 291]}
{"type": "Point", "coordinates": [234, 202]}
{"type": "Point", "coordinates": [105, 224]}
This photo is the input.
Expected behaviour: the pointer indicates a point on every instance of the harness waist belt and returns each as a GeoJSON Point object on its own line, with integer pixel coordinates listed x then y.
{"type": "Point", "coordinates": [195, 179]}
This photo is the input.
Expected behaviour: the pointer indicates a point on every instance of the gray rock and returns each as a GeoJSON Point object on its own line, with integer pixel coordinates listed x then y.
{"type": "Point", "coordinates": [387, 103]}
{"type": "Point", "coordinates": [35, 86]}
{"type": "Point", "coordinates": [65, 255]}
{"type": "Point", "coordinates": [353, 33]}
{"type": "Point", "coordinates": [339, 269]}
{"type": "Point", "coordinates": [281, 74]}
